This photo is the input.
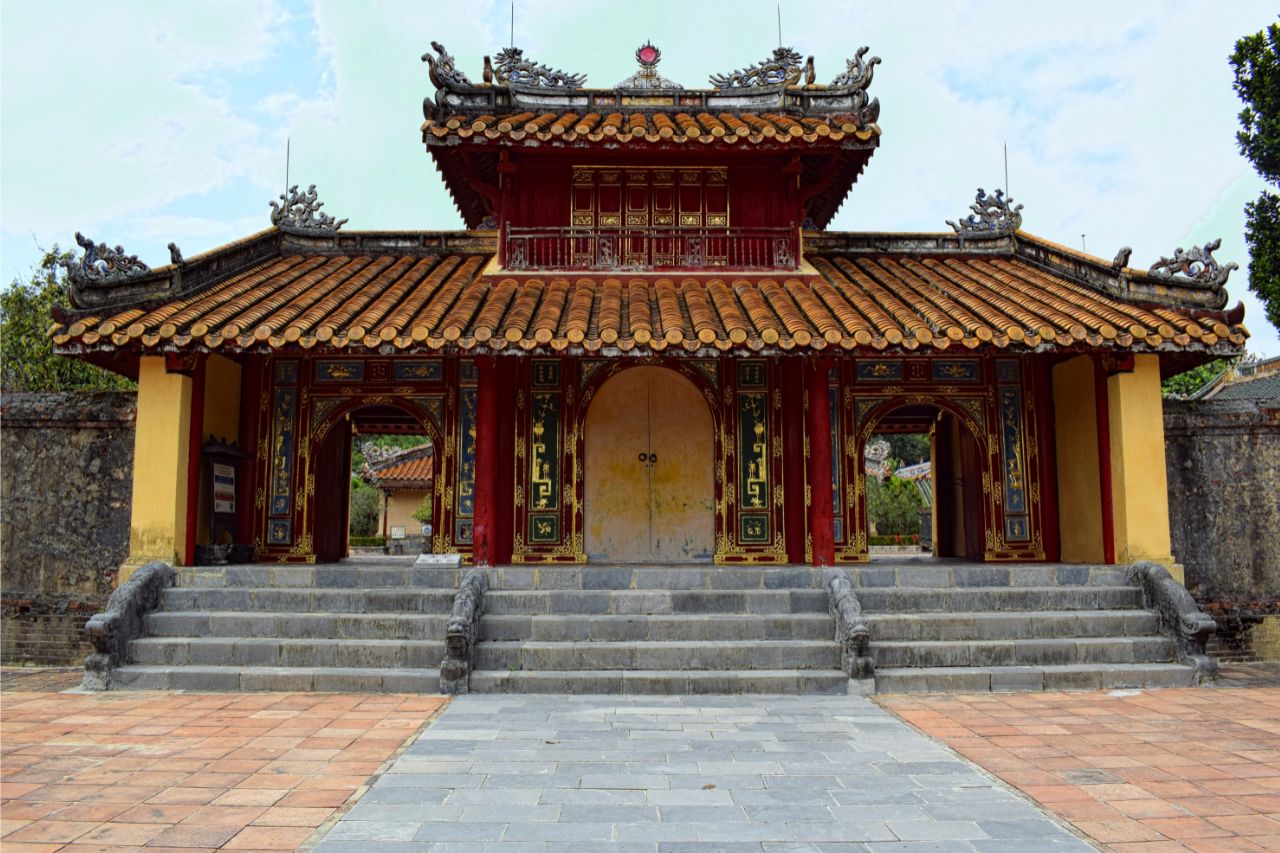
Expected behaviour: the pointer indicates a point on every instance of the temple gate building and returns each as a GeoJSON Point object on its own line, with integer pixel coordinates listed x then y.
{"type": "Point", "coordinates": [647, 348]}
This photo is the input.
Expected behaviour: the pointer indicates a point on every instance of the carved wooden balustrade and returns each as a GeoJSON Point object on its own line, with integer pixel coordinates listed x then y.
{"type": "Point", "coordinates": [650, 248]}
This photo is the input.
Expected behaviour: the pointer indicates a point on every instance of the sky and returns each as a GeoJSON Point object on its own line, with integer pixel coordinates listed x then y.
{"type": "Point", "coordinates": [141, 123]}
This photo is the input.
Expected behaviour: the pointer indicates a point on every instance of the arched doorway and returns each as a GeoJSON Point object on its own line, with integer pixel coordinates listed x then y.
{"type": "Point", "coordinates": [333, 472]}
{"type": "Point", "coordinates": [958, 464]}
{"type": "Point", "coordinates": [649, 491]}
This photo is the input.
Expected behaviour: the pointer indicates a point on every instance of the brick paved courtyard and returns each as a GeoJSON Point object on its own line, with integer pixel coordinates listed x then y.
{"type": "Point", "coordinates": [239, 772]}
{"type": "Point", "coordinates": [1166, 770]}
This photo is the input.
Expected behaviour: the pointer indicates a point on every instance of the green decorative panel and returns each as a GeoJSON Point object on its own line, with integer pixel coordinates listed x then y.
{"type": "Point", "coordinates": [544, 450]}
{"type": "Point", "coordinates": [753, 450]}
{"type": "Point", "coordinates": [753, 528]}
{"type": "Point", "coordinates": [544, 528]}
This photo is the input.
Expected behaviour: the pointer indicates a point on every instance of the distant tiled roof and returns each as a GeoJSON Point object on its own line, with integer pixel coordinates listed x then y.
{"type": "Point", "coordinates": [638, 128]}
{"type": "Point", "coordinates": [406, 469]}
{"type": "Point", "coordinates": [1266, 387]}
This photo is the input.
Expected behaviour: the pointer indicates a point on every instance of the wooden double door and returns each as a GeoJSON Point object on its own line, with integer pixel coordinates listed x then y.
{"type": "Point", "coordinates": [649, 485]}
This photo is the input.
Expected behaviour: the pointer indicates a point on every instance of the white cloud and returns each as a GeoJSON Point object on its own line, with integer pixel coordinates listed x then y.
{"type": "Point", "coordinates": [1120, 118]}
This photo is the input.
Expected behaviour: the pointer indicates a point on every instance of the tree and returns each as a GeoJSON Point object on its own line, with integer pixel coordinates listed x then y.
{"type": "Point", "coordinates": [1256, 63]}
{"type": "Point", "coordinates": [893, 505]}
{"type": "Point", "coordinates": [1190, 381]}
{"type": "Point", "coordinates": [27, 359]}
{"type": "Point", "coordinates": [366, 506]}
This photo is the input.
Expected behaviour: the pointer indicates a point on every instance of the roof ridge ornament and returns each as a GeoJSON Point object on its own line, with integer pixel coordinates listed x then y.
{"type": "Point", "coordinates": [1197, 267]}
{"type": "Point", "coordinates": [856, 79]}
{"type": "Point", "coordinates": [993, 216]}
{"type": "Point", "coordinates": [102, 264]}
{"type": "Point", "coordinates": [782, 69]}
{"type": "Point", "coordinates": [648, 56]}
{"type": "Point", "coordinates": [511, 67]}
{"type": "Point", "coordinates": [442, 68]}
{"type": "Point", "coordinates": [300, 213]}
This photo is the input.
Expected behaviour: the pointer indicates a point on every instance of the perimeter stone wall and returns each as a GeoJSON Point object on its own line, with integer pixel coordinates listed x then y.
{"type": "Point", "coordinates": [1223, 464]}
{"type": "Point", "coordinates": [66, 463]}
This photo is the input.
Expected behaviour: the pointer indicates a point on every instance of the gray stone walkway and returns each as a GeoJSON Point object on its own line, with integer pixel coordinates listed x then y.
{"type": "Point", "coordinates": [708, 773]}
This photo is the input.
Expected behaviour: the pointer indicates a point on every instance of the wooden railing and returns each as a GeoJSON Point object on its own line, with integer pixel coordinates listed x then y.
{"type": "Point", "coordinates": [650, 248]}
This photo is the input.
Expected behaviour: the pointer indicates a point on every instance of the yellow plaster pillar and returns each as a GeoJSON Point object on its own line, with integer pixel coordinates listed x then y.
{"type": "Point", "coordinates": [161, 445]}
{"type": "Point", "coordinates": [221, 421]}
{"type": "Point", "coordinates": [1075, 429]}
{"type": "Point", "coordinates": [1140, 491]}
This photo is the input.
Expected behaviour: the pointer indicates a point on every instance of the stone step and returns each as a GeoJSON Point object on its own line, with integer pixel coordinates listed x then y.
{"type": "Point", "coordinates": [284, 679]}
{"type": "Point", "coordinates": [980, 599]}
{"type": "Point", "coordinates": [980, 653]}
{"type": "Point", "coordinates": [370, 575]}
{"type": "Point", "coordinates": [641, 602]}
{"type": "Point", "coordinates": [586, 628]}
{"type": "Point", "coordinates": [272, 652]}
{"type": "Point", "coordinates": [354, 626]}
{"type": "Point", "coordinates": [283, 600]}
{"type": "Point", "coordinates": [662, 656]}
{"type": "Point", "coordinates": [580, 682]}
{"type": "Point", "coordinates": [1093, 676]}
{"type": "Point", "coordinates": [598, 577]}
{"type": "Point", "coordinates": [934, 575]}
{"type": "Point", "coordinates": [1015, 625]}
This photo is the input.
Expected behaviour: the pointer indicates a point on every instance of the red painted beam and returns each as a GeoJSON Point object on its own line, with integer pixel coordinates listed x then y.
{"type": "Point", "coordinates": [486, 492]}
{"type": "Point", "coordinates": [1103, 413]}
{"type": "Point", "coordinates": [793, 460]}
{"type": "Point", "coordinates": [821, 513]}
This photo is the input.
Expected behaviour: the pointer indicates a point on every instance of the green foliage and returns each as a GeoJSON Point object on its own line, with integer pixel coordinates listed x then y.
{"type": "Point", "coordinates": [422, 514]}
{"type": "Point", "coordinates": [366, 503]}
{"type": "Point", "coordinates": [27, 359]}
{"type": "Point", "coordinates": [893, 505]}
{"type": "Point", "coordinates": [1188, 382]}
{"type": "Point", "coordinates": [907, 448]}
{"type": "Point", "coordinates": [368, 542]}
{"type": "Point", "coordinates": [1256, 62]}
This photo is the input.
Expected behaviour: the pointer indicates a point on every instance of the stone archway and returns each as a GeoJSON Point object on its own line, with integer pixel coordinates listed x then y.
{"type": "Point", "coordinates": [649, 451]}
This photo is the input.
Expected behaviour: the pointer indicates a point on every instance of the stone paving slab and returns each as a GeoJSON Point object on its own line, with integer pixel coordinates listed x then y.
{"type": "Point", "coordinates": [671, 774]}
{"type": "Point", "coordinates": [1167, 770]}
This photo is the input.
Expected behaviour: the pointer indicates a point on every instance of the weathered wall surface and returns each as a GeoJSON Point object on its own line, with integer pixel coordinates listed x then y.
{"type": "Point", "coordinates": [65, 484]}
{"type": "Point", "coordinates": [1223, 464]}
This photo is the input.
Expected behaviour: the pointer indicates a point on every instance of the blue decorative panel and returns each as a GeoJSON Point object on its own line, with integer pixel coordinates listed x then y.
{"type": "Point", "coordinates": [418, 370]}
{"type": "Point", "coordinates": [463, 531]}
{"type": "Point", "coordinates": [546, 374]}
{"type": "Point", "coordinates": [282, 450]}
{"type": "Point", "coordinates": [339, 371]}
{"type": "Point", "coordinates": [1007, 371]}
{"type": "Point", "coordinates": [950, 371]}
{"type": "Point", "coordinates": [1016, 529]}
{"type": "Point", "coordinates": [1015, 477]}
{"type": "Point", "coordinates": [751, 374]}
{"type": "Point", "coordinates": [466, 500]}
{"type": "Point", "coordinates": [286, 372]}
{"type": "Point", "coordinates": [280, 532]}
{"type": "Point", "coordinates": [879, 371]}
{"type": "Point", "coordinates": [467, 372]}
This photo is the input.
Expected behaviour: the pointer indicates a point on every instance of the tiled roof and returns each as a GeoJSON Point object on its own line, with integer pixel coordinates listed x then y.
{"type": "Point", "coordinates": [405, 473]}
{"type": "Point", "coordinates": [848, 301]}
{"type": "Point", "coordinates": [722, 128]}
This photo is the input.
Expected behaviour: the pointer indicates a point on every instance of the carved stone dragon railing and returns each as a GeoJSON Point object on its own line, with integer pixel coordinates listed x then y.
{"type": "Point", "coordinates": [1180, 616]}
{"type": "Point", "coordinates": [463, 632]}
{"type": "Point", "coordinates": [851, 632]}
{"type": "Point", "coordinates": [111, 630]}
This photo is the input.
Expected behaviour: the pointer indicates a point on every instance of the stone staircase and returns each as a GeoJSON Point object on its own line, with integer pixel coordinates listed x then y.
{"type": "Point", "coordinates": [367, 625]}
{"type": "Point", "coordinates": [621, 629]}
{"type": "Point", "coordinates": [379, 624]}
{"type": "Point", "coordinates": [939, 626]}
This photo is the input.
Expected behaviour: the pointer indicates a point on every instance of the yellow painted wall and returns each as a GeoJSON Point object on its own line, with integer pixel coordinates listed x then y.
{"type": "Point", "coordinates": [221, 419]}
{"type": "Point", "coordinates": [400, 509]}
{"type": "Point", "coordinates": [1139, 487]}
{"type": "Point", "coordinates": [1075, 428]}
{"type": "Point", "coordinates": [162, 438]}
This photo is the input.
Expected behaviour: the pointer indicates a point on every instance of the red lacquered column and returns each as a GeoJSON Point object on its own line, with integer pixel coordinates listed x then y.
{"type": "Point", "coordinates": [821, 514]}
{"type": "Point", "coordinates": [486, 491]}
